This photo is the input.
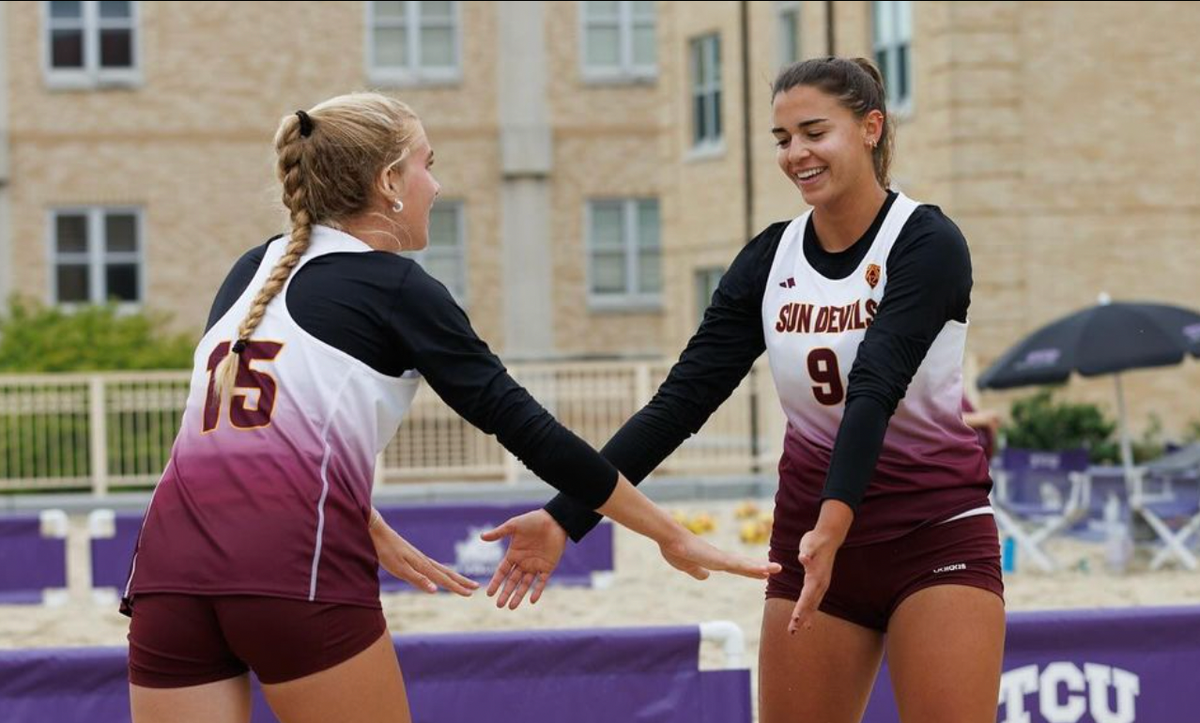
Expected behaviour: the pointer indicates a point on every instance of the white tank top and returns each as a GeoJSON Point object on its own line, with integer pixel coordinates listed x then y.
{"type": "Point", "coordinates": [813, 326]}
{"type": "Point", "coordinates": [269, 492]}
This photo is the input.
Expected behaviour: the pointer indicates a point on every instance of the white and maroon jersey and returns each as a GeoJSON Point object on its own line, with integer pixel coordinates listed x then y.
{"type": "Point", "coordinates": [269, 492]}
{"type": "Point", "coordinates": [930, 465]}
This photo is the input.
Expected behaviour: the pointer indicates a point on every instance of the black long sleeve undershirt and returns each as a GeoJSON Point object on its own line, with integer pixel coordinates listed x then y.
{"type": "Point", "coordinates": [387, 312]}
{"type": "Point", "coordinates": [929, 283]}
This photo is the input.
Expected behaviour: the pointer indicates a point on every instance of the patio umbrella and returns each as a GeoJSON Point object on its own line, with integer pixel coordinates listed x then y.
{"type": "Point", "coordinates": [1108, 338]}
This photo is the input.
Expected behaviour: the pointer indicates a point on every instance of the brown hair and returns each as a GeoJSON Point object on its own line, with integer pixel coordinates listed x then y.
{"type": "Point", "coordinates": [329, 159]}
{"type": "Point", "coordinates": [858, 86]}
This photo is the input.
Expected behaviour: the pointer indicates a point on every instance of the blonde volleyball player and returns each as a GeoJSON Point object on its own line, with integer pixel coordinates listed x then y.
{"type": "Point", "coordinates": [882, 522]}
{"type": "Point", "coordinates": [260, 547]}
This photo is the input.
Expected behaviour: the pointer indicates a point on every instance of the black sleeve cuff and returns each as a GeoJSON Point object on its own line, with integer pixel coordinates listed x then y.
{"type": "Point", "coordinates": [573, 517]}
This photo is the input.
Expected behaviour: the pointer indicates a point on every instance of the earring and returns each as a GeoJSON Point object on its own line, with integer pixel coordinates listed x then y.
{"type": "Point", "coordinates": [397, 206]}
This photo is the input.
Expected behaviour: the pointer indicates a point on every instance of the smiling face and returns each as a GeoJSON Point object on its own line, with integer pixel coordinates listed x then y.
{"type": "Point", "coordinates": [821, 146]}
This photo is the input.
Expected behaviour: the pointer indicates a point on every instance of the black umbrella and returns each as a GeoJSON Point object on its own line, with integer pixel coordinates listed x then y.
{"type": "Point", "coordinates": [1108, 338]}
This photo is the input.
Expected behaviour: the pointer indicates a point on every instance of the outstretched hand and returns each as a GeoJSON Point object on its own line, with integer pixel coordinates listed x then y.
{"type": "Point", "coordinates": [697, 558]}
{"type": "Point", "coordinates": [535, 547]}
{"type": "Point", "coordinates": [398, 556]}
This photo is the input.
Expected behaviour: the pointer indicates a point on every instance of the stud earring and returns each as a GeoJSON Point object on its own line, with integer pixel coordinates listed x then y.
{"type": "Point", "coordinates": [397, 206]}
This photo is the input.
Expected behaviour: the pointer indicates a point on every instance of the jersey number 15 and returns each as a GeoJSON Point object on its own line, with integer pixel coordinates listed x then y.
{"type": "Point", "coordinates": [241, 416]}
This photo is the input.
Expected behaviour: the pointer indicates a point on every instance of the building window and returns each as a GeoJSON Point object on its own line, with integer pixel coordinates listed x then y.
{"type": "Point", "coordinates": [893, 42]}
{"type": "Point", "coordinates": [788, 21]}
{"type": "Point", "coordinates": [88, 44]}
{"type": "Point", "coordinates": [445, 257]}
{"type": "Point", "coordinates": [707, 280]}
{"type": "Point", "coordinates": [706, 91]}
{"type": "Point", "coordinates": [619, 41]}
{"type": "Point", "coordinates": [98, 256]}
{"type": "Point", "coordinates": [414, 42]}
{"type": "Point", "coordinates": [624, 255]}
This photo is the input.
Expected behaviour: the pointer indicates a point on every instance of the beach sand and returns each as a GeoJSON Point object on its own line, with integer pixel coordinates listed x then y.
{"type": "Point", "coordinates": [645, 591]}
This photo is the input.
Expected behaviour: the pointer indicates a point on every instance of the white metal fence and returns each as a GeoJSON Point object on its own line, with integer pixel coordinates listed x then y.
{"type": "Point", "coordinates": [115, 430]}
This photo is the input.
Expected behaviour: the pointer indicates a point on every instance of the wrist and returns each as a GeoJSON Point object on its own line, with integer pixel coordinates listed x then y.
{"type": "Point", "coordinates": [673, 537]}
{"type": "Point", "coordinates": [833, 521]}
{"type": "Point", "coordinates": [375, 524]}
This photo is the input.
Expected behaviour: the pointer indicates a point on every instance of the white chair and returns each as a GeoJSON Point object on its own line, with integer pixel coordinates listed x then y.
{"type": "Point", "coordinates": [1039, 495]}
{"type": "Point", "coordinates": [1166, 494]}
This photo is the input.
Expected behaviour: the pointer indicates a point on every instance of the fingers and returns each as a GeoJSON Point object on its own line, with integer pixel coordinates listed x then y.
{"type": "Point", "coordinates": [694, 570]}
{"type": "Point", "coordinates": [409, 571]}
{"type": "Point", "coordinates": [798, 617]}
{"type": "Point", "coordinates": [511, 582]}
{"type": "Point", "coordinates": [458, 577]}
{"type": "Point", "coordinates": [816, 582]}
{"type": "Point", "coordinates": [498, 533]}
{"type": "Point", "coordinates": [427, 574]}
{"type": "Point", "coordinates": [714, 558]}
{"type": "Point", "coordinates": [416, 579]}
{"type": "Point", "coordinates": [499, 576]}
{"type": "Point", "coordinates": [806, 606]}
{"type": "Point", "coordinates": [526, 582]}
{"type": "Point", "coordinates": [452, 581]}
{"type": "Point", "coordinates": [746, 567]}
{"type": "Point", "coordinates": [538, 587]}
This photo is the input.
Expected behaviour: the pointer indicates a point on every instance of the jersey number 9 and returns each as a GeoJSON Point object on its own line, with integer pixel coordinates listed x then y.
{"type": "Point", "coordinates": [823, 368]}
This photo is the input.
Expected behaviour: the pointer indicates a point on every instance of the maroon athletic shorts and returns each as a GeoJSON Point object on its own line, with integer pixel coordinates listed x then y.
{"type": "Point", "coordinates": [177, 641]}
{"type": "Point", "coordinates": [869, 582]}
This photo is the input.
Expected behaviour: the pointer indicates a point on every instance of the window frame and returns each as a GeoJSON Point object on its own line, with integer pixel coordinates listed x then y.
{"type": "Point", "coordinates": [632, 298]}
{"type": "Point", "coordinates": [96, 257]}
{"type": "Point", "coordinates": [412, 72]}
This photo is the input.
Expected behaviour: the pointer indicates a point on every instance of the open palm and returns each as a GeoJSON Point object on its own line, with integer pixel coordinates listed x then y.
{"type": "Point", "coordinates": [535, 547]}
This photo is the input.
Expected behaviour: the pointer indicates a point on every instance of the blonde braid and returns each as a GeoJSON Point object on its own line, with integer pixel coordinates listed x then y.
{"type": "Point", "coordinates": [289, 144]}
{"type": "Point", "coordinates": [328, 160]}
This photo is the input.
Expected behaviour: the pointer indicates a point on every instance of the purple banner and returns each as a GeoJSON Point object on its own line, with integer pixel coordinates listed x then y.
{"type": "Point", "coordinates": [447, 533]}
{"type": "Point", "coordinates": [584, 676]}
{"type": "Point", "coordinates": [1132, 665]}
{"type": "Point", "coordinates": [29, 563]}
{"type": "Point", "coordinates": [450, 534]}
{"type": "Point", "coordinates": [111, 556]}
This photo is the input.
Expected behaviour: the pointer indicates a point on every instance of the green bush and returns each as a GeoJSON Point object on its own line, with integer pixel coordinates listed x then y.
{"type": "Point", "coordinates": [37, 444]}
{"type": "Point", "coordinates": [52, 446]}
{"type": "Point", "coordinates": [1039, 422]}
{"type": "Point", "coordinates": [36, 338]}
{"type": "Point", "coordinates": [1192, 433]}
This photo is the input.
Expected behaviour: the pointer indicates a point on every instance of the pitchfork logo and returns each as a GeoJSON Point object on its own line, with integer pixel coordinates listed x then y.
{"type": "Point", "coordinates": [873, 275]}
{"type": "Point", "coordinates": [1039, 358]}
{"type": "Point", "coordinates": [1066, 694]}
{"type": "Point", "coordinates": [473, 557]}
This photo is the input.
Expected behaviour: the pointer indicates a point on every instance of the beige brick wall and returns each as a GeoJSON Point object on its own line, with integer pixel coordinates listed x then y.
{"type": "Point", "coordinates": [192, 144]}
{"type": "Point", "coordinates": [1059, 136]}
{"type": "Point", "coordinates": [607, 144]}
{"type": "Point", "coordinates": [703, 199]}
{"type": "Point", "coordinates": [1072, 133]}
{"type": "Point", "coordinates": [1028, 122]}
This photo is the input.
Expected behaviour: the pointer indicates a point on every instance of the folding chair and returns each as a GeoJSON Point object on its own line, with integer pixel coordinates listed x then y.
{"type": "Point", "coordinates": [1168, 491]}
{"type": "Point", "coordinates": [1038, 495]}
{"type": "Point", "coordinates": [1103, 483]}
